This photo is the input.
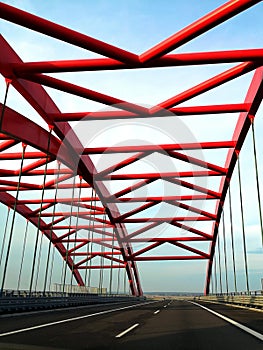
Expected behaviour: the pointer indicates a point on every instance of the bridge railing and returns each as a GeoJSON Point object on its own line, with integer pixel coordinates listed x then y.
{"type": "Point", "coordinates": [250, 299]}
{"type": "Point", "coordinates": [18, 301]}
{"type": "Point", "coordinates": [252, 292]}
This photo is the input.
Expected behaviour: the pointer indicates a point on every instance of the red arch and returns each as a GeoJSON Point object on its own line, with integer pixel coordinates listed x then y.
{"type": "Point", "coordinates": [253, 99]}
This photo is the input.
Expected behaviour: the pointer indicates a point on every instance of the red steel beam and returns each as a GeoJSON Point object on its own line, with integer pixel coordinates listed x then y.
{"type": "Point", "coordinates": [171, 60]}
{"type": "Point", "coordinates": [22, 184]}
{"type": "Point", "coordinates": [7, 144]}
{"type": "Point", "coordinates": [158, 148]}
{"type": "Point", "coordinates": [194, 187]}
{"type": "Point", "coordinates": [18, 155]}
{"type": "Point", "coordinates": [98, 267]}
{"type": "Point", "coordinates": [207, 85]}
{"type": "Point", "coordinates": [94, 240]}
{"type": "Point", "coordinates": [123, 163]}
{"type": "Point", "coordinates": [93, 254]}
{"type": "Point", "coordinates": [4, 137]}
{"type": "Point", "coordinates": [60, 200]}
{"type": "Point", "coordinates": [142, 230]}
{"type": "Point", "coordinates": [12, 173]}
{"type": "Point", "coordinates": [169, 220]}
{"type": "Point", "coordinates": [76, 247]}
{"type": "Point", "coordinates": [81, 227]}
{"type": "Point", "coordinates": [146, 249]}
{"type": "Point", "coordinates": [177, 111]}
{"type": "Point", "coordinates": [197, 161]}
{"type": "Point", "coordinates": [190, 249]}
{"type": "Point", "coordinates": [191, 229]}
{"type": "Point", "coordinates": [35, 96]}
{"type": "Point", "coordinates": [131, 188]}
{"type": "Point", "coordinates": [170, 239]}
{"type": "Point", "coordinates": [163, 198]}
{"type": "Point", "coordinates": [193, 209]}
{"type": "Point", "coordinates": [84, 92]}
{"type": "Point", "coordinates": [59, 32]}
{"type": "Point", "coordinates": [25, 212]}
{"type": "Point", "coordinates": [211, 20]}
{"type": "Point", "coordinates": [30, 186]}
{"type": "Point", "coordinates": [20, 206]}
{"type": "Point", "coordinates": [135, 211]}
{"type": "Point", "coordinates": [156, 176]}
{"type": "Point", "coordinates": [34, 165]}
{"type": "Point", "coordinates": [254, 98]}
{"type": "Point", "coordinates": [67, 214]}
{"type": "Point", "coordinates": [169, 257]}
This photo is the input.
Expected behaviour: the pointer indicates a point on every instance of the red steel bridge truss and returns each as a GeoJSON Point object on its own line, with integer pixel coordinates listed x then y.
{"type": "Point", "coordinates": [116, 204]}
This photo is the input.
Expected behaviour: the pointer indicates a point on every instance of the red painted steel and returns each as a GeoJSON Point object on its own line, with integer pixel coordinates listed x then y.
{"type": "Point", "coordinates": [212, 19]}
{"type": "Point", "coordinates": [254, 98]}
{"type": "Point", "coordinates": [158, 148]}
{"type": "Point", "coordinates": [65, 146]}
{"type": "Point", "coordinates": [194, 110]}
{"type": "Point", "coordinates": [196, 58]}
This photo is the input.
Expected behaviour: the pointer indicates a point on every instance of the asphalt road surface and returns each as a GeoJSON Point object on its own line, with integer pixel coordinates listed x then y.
{"type": "Point", "coordinates": [151, 325]}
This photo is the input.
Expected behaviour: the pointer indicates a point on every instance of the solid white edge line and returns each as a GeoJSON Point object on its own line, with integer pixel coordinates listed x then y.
{"type": "Point", "coordinates": [234, 323]}
{"type": "Point", "coordinates": [72, 319]}
{"type": "Point", "coordinates": [156, 312]}
{"type": "Point", "coordinates": [127, 330]}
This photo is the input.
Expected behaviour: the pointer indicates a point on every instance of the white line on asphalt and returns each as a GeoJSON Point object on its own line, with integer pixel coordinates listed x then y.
{"type": "Point", "coordinates": [239, 325]}
{"type": "Point", "coordinates": [71, 319]}
{"type": "Point", "coordinates": [127, 330]}
{"type": "Point", "coordinates": [156, 312]}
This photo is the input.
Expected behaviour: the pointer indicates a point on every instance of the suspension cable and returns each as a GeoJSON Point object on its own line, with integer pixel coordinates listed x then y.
{"type": "Point", "coordinates": [243, 223]}
{"type": "Point", "coordinates": [112, 247]}
{"type": "Point", "coordinates": [52, 267]}
{"type": "Point", "coordinates": [212, 281]}
{"type": "Point", "coordinates": [38, 260]}
{"type": "Point", "coordinates": [118, 279]}
{"type": "Point", "coordinates": [23, 255]}
{"type": "Point", "coordinates": [92, 236]}
{"type": "Point", "coordinates": [51, 230]}
{"type": "Point", "coordinates": [13, 219]}
{"type": "Point", "coordinates": [225, 255]}
{"type": "Point", "coordinates": [219, 263]}
{"type": "Point", "coordinates": [124, 282]}
{"type": "Point", "coordinates": [215, 272]}
{"type": "Point", "coordinates": [76, 233]}
{"type": "Point", "coordinates": [8, 83]}
{"type": "Point", "coordinates": [102, 255]}
{"type": "Point", "coordinates": [39, 214]}
{"type": "Point", "coordinates": [88, 236]}
{"type": "Point", "coordinates": [4, 237]}
{"type": "Point", "coordinates": [257, 177]}
{"type": "Point", "coordinates": [232, 238]}
{"type": "Point", "coordinates": [69, 228]}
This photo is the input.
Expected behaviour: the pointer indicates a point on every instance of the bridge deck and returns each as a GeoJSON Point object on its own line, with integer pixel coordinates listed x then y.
{"type": "Point", "coordinates": [152, 325]}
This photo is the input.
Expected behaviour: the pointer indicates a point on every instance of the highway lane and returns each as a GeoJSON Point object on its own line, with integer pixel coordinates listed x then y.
{"type": "Point", "coordinates": [35, 318]}
{"type": "Point", "coordinates": [249, 318]}
{"type": "Point", "coordinates": [160, 325]}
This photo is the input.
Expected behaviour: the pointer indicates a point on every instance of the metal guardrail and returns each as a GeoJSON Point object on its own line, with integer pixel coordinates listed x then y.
{"type": "Point", "coordinates": [250, 300]}
{"type": "Point", "coordinates": [18, 301]}
{"type": "Point", "coordinates": [252, 292]}
{"type": "Point", "coordinates": [27, 293]}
